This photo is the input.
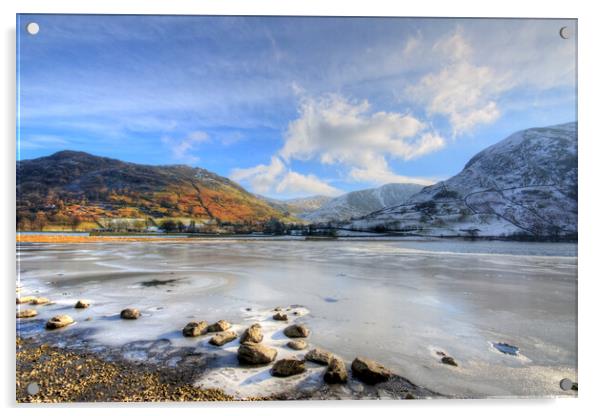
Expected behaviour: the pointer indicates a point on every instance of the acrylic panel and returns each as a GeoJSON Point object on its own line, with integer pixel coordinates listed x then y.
{"type": "Point", "coordinates": [295, 208]}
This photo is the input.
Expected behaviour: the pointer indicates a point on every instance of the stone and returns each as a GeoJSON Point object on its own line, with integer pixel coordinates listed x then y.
{"type": "Point", "coordinates": [40, 301]}
{"type": "Point", "coordinates": [287, 367]}
{"type": "Point", "coordinates": [82, 304]}
{"type": "Point", "coordinates": [219, 326]}
{"type": "Point", "coordinates": [251, 353]}
{"type": "Point", "coordinates": [449, 361]}
{"type": "Point", "coordinates": [195, 329]}
{"type": "Point", "coordinates": [298, 344]}
{"type": "Point", "coordinates": [222, 338]}
{"type": "Point", "coordinates": [409, 396]}
{"type": "Point", "coordinates": [369, 371]}
{"type": "Point", "coordinates": [25, 299]}
{"type": "Point", "coordinates": [27, 313]}
{"type": "Point", "coordinates": [130, 313]}
{"type": "Point", "coordinates": [296, 331]}
{"type": "Point", "coordinates": [336, 373]}
{"type": "Point", "coordinates": [279, 316]}
{"type": "Point", "coordinates": [319, 356]}
{"type": "Point", "coordinates": [59, 321]}
{"type": "Point", "coordinates": [252, 334]}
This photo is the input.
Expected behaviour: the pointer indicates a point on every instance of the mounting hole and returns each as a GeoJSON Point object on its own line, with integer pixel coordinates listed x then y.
{"type": "Point", "coordinates": [565, 32]}
{"type": "Point", "coordinates": [32, 28]}
{"type": "Point", "coordinates": [33, 388]}
{"type": "Point", "coordinates": [566, 384]}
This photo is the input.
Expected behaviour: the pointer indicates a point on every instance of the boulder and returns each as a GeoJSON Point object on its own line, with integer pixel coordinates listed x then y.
{"type": "Point", "coordinates": [319, 356]}
{"type": "Point", "coordinates": [40, 301]}
{"type": "Point", "coordinates": [251, 353]}
{"type": "Point", "coordinates": [25, 299]}
{"type": "Point", "coordinates": [130, 313]}
{"type": "Point", "coordinates": [222, 338]}
{"type": "Point", "coordinates": [195, 329]}
{"type": "Point", "coordinates": [296, 331]}
{"type": "Point", "coordinates": [59, 321]}
{"type": "Point", "coordinates": [298, 344]}
{"type": "Point", "coordinates": [279, 316]}
{"type": "Point", "coordinates": [219, 326]}
{"type": "Point", "coordinates": [449, 361]}
{"type": "Point", "coordinates": [252, 334]}
{"type": "Point", "coordinates": [82, 304]}
{"type": "Point", "coordinates": [27, 313]}
{"type": "Point", "coordinates": [287, 367]}
{"type": "Point", "coordinates": [336, 373]}
{"type": "Point", "coordinates": [369, 371]}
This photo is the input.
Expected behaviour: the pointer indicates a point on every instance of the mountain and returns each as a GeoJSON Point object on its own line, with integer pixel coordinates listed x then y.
{"type": "Point", "coordinates": [525, 185]}
{"type": "Point", "coordinates": [68, 185]}
{"type": "Point", "coordinates": [296, 206]}
{"type": "Point", "coordinates": [360, 203]}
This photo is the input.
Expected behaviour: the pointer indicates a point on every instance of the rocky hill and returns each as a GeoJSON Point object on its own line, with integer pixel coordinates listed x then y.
{"type": "Point", "coordinates": [359, 203]}
{"type": "Point", "coordinates": [69, 187]}
{"type": "Point", "coordinates": [525, 185]}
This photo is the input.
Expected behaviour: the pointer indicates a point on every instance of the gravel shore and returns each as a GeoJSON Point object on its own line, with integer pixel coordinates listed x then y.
{"type": "Point", "coordinates": [66, 376]}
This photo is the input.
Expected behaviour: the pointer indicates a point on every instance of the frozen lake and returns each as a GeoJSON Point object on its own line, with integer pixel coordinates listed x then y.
{"type": "Point", "coordinates": [397, 302]}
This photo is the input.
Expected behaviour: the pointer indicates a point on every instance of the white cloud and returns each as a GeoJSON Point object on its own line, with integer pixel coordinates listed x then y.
{"type": "Point", "coordinates": [276, 178]}
{"type": "Point", "coordinates": [334, 130]}
{"type": "Point", "coordinates": [463, 92]}
{"type": "Point", "coordinates": [181, 149]}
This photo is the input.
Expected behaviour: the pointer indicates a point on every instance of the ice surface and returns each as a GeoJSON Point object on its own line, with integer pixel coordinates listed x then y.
{"type": "Point", "coordinates": [394, 301]}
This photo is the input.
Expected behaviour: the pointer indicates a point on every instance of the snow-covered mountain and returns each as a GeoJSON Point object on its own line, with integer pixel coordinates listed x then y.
{"type": "Point", "coordinates": [524, 185]}
{"type": "Point", "coordinates": [359, 203]}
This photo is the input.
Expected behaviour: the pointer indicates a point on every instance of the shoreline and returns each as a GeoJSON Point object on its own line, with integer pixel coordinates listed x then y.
{"type": "Point", "coordinates": [63, 375]}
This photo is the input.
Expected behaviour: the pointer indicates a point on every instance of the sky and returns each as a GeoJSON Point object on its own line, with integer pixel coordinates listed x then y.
{"type": "Point", "coordinates": [290, 106]}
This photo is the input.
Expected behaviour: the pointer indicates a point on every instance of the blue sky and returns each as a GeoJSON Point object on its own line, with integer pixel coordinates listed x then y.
{"type": "Point", "coordinates": [290, 106]}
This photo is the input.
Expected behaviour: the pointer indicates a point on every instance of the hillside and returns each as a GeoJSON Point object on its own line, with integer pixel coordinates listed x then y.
{"type": "Point", "coordinates": [73, 188]}
{"type": "Point", "coordinates": [297, 206]}
{"type": "Point", "coordinates": [525, 185]}
{"type": "Point", "coordinates": [359, 203]}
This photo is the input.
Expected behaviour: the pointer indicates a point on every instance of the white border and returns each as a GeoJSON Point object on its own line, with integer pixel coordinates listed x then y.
{"type": "Point", "coordinates": [590, 159]}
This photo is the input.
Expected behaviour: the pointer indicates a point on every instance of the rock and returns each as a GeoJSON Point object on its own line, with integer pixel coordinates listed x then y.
{"type": "Point", "coordinates": [195, 329]}
{"type": "Point", "coordinates": [409, 396]}
{"type": "Point", "coordinates": [59, 321]}
{"type": "Point", "coordinates": [222, 338]}
{"type": "Point", "coordinates": [298, 344]}
{"type": "Point", "coordinates": [82, 304]}
{"type": "Point", "coordinates": [251, 353]}
{"type": "Point", "coordinates": [252, 334]}
{"type": "Point", "coordinates": [277, 309]}
{"type": "Point", "coordinates": [449, 361]}
{"type": "Point", "coordinates": [336, 373]}
{"type": "Point", "coordinates": [27, 313]}
{"type": "Point", "coordinates": [40, 301]}
{"type": "Point", "coordinates": [279, 316]}
{"type": "Point", "coordinates": [318, 355]}
{"type": "Point", "coordinates": [287, 367]}
{"type": "Point", "coordinates": [296, 331]}
{"type": "Point", "coordinates": [369, 371]}
{"type": "Point", "coordinates": [219, 326]}
{"type": "Point", "coordinates": [130, 313]}
{"type": "Point", "coordinates": [25, 299]}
